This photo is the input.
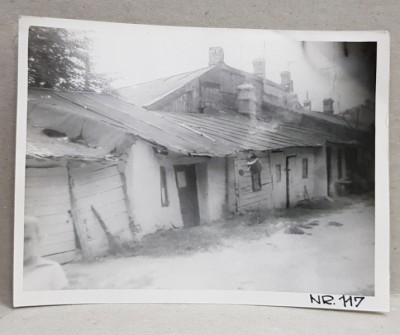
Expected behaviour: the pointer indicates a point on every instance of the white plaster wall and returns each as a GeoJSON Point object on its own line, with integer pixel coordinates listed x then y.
{"type": "Point", "coordinates": [297, 182]}
{"type": "Point", "coordinates": [202, 191]}
{"type": "Point", "coordinates": [320, 183]}
{"type": "Point", "coordinates": [143, 188]}
{"type": "Point", "coordinates": [216, 188]}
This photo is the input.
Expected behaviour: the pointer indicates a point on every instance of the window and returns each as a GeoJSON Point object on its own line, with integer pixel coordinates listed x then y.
{"type": "Point", "coordinates": [278, 173]}
{"type": "Point", "coordinates": [339, 164]}
{"type": "Point", "coordinates": [305, 168]}
{"type": "Point", "coordinates": [164, 191]}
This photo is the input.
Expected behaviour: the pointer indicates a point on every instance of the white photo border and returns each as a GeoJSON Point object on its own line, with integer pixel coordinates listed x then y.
{"type": "Point", "coordinates": [379, 302]}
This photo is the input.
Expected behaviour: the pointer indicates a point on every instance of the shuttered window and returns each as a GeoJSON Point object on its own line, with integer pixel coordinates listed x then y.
{"type": "Point", "coordinates": [305, 168]}
{"type": "Point", "coordinates": [164, 190]}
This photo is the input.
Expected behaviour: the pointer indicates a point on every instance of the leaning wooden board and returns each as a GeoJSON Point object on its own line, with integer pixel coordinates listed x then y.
{"type": "Point", "coordinates": [101, 186]}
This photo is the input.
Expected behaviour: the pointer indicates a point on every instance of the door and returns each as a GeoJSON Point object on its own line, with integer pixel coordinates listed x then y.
{"type": "Point", "coordinates": [102, 187]}
{"type": "Point", "coordinates": [329, 169]}
{"type": "Point", "coordinates": [287, 170]}
{"type": "Point", "coordinates": [187, 190]}
{"type": "Point", "coordinates": [47, 197]}
{"type": "Point", "coordinates": [279, 179]}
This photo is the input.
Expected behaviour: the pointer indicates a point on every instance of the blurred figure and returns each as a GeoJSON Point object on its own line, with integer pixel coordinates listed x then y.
{"type": "Point", "coordinates": [39, 273]}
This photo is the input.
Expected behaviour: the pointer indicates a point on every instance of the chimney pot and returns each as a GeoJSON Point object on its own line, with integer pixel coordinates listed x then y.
{"type": "Point", "coordinates": [259, 67]}
{"type": "Point", "coordinates": [328, 106]}
{"type": "Point", "coordinates": [286, 81]}
{"type": "Point", "coordinates": [247, 100]}
{"type": "Point", "coordinates": [215, 56]}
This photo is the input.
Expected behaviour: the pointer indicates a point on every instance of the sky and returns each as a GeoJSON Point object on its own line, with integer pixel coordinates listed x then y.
{"type": "Point", "coordinates": [139, 53]}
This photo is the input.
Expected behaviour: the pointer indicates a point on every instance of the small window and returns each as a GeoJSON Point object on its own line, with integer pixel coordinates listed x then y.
{"type": "Point", "coordinates": [305, 168]}
{"type": "Point", "coordinates": [278, 173]}
{"type": "Point", "coordinates": [339, 164]}
{"type": "Point", "coordinates": [164, 191]}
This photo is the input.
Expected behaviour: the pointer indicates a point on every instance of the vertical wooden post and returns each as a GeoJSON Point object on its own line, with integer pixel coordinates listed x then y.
{"type": "Point", "coordinates": [227, 184]}
{"type": "Point", "coordinates": [237, 184]}
{"type": "Point", "coordinates": [75, 218]}
{"type": "Point", "coordinates": [134, 229]}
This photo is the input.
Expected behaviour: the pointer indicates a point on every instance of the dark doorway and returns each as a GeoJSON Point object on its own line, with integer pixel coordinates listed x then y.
{"type": "Point", "coordinates": [288, 180]}
{"type": "Point", "coordinates": [329, 169]}
{"type": "Point", "coordinates": [187, 190]}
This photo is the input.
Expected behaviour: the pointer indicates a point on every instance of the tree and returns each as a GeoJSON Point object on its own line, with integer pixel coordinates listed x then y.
{"type": "Point", "coordinates": [61, 59]}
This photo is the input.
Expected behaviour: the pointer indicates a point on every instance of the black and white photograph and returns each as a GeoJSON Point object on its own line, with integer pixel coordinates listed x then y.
{"type": "Point", "coordinates": [170, 159]}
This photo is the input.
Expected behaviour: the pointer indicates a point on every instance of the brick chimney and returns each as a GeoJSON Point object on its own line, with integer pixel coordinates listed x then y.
{"type": "Point", "coordinates": [215, 56]}
{"type": "Point", "coordinates": [328, 106]}
{"type": "Point", "coordinates": [286, 81]}
{"type": "Point", "coordinates": [259, 67]}
{"type": "Point", "coordinates": [247, 100]}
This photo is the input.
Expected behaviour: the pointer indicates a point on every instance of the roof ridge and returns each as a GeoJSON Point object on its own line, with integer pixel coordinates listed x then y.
{"type": "Point", "coordinates": [163, 78]}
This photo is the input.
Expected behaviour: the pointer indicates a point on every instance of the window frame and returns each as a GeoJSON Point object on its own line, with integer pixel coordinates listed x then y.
{"type": "Point", "coordinates": [163, 187]}
{"type": "Point", "coordinates": [304, 164]}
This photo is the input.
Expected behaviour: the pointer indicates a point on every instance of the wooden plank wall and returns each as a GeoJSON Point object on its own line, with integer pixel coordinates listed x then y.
{"type": "Point", "coordinates": [47, 197]}
{"type": "Point", "coordinates": [101, 186]}
{"type": "Point", "coordinates": [247, 198]}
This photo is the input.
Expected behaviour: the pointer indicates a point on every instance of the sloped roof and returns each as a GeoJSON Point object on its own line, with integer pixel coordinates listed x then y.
{"type": "Point", "coordinates": [188, 134]}
{"type": "Point", "coordinates": [338, 120]}
{"type": "Point", "coordinates": [145, 94]}
{"type": "Point", "coordinates": [38, 145]}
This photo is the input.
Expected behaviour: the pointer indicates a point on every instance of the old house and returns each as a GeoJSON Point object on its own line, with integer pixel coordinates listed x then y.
{"type": "Point", "coordinates": [174, 152]}
{"type": "Point", "coordinates": [219, 90]}
{"type": "Point", "coordinates": [143, 171]}
{"type": "Point", "coordinates": [67, 174]}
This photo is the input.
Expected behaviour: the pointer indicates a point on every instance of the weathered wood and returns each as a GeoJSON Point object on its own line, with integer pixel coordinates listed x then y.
{"type": "Point", "coordinates": [86, 168]}
{"type": "Point", "coordinates": [47, 197]}
{"type": "Point", "coordinates": [46, 190]}
{"type": "Point", "coordinates": [46, 172]}
{"type": "Point", "coordinates": [97, 187]}
{"type": "Point", "coordinates": [237, 193]}
{"type": "Point", "coordinates": [102, 188]}
{"type": "Point", "coordinates": [55, 219]}
{"type": "Point", "coordinates": [55, 239]}
{"type": "Point", "coordinates": [263, 202]}
{"type": "Point", "coordinates": [45, 210]}
{"type": "Point", "coordinates": [115, 247]}
{"type": "Point", "coordinates": [80, 232]}
{"type": "Point", "coordinates": [108, 209]}
{"type": "Point", "coordinates": [50, 229]}
{"type": "Point", "coordinates": [64, 257]}
{"type": "Point", "coordinates": [41, 181]}
{"type": "Point", "coordinates": [118, 222]}
{"type": "Point", "coordinates": [58, 248]}
{"type": "Point", "coordinates": [80, 180]}
{"type": "Point", "coordinates": [48, 200]}
{"type": "Point", "coordinates": [102, 199]}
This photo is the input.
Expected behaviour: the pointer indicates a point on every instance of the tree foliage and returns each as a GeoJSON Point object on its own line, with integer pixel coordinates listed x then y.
{"type": "Point", "coordinates": [61, 59]}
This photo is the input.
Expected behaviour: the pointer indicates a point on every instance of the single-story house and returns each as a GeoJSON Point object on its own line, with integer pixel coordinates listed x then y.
{"type": "Point", "coordinates": [146, 170]}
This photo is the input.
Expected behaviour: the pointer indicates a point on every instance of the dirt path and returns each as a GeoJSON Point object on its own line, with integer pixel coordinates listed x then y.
{"type": "Point", "coordinates": [334, 255]}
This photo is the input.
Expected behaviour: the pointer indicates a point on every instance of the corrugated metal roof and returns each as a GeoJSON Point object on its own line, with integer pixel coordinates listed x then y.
{"type": "Point", "coordinates": [333, 119]}
{"type": "Point", "coordinates": [145, 94]}
{"type": "Point", "coordinates": [38, 145]}
{"type": "Point", "coordinates": [189, 134]}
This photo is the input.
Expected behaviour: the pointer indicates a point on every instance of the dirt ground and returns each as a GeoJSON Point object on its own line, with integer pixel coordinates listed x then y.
{"type": "Point", "coordinates": [315, 250]}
